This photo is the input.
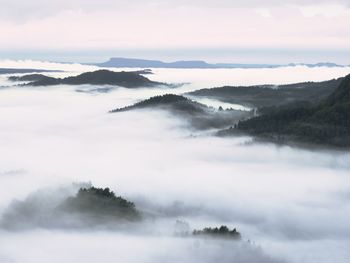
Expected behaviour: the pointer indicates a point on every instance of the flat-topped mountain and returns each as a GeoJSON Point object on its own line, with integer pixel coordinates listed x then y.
{"type": "Point", "coordinates": [144, 63]}
{"type": "Point", "coordinates": [99, 77]}
{"type": "Point", "coordinates": [188, 64]}
{"type": "Point", "coordinates": [198, 115]}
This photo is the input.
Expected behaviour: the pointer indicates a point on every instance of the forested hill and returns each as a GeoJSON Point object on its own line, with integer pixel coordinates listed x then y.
{"type": "Point", "coordinates": [99, 77]}
{"type": "Point", "coordinates": [198, 115]}
{"type": "Point", "coordinates": [327, 123]}
{"type": "Point", "coordinates": [271, 95]}
{"type": "Point", "coordinates": [175, 102]}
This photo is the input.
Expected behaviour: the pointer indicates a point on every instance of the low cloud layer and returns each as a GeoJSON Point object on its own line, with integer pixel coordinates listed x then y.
{"type": "Point", "coordinates": [293, 203]}
{"type": "Point", "coordinates": [107, 247]}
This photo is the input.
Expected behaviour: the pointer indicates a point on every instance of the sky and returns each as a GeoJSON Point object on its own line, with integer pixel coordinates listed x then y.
{"type": "Point", "coordinates": [219, 31]}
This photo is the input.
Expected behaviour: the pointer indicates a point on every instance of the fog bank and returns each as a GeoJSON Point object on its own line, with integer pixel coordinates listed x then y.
{"type": "Point", "coordinates": [292, 203]}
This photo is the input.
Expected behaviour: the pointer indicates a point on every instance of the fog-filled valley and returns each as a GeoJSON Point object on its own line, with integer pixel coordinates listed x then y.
{"type": "Point", "coordinates": [290, 204]}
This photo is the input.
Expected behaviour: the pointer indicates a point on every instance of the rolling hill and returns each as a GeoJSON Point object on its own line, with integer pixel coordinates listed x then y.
{"type": "Point", "coordinates": [324, 123]}
{"type": "Point", "coordinates": [99, 77]}
{"type": "Point", "coordinates": [198, 115]}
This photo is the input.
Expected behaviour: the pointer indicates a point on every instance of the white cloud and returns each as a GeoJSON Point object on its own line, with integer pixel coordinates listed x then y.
{"type": "Point", "coordinates": [327, 10]}
{"type": "Point", "coordinates": [279, 197]}
{"type": "Point", "coordinates": [19, 10]}
{"type": "Point", "coordinates": [107, 24]}
{"type": "Point", "coordinates": [264, 12]}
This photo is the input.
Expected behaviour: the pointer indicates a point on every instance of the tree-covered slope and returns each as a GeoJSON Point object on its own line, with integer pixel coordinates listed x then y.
{"type": "Point", "coordinates": [88, 207]}
{"type": "Point", "coordinates": [171, 101]}
{"type": "Point", "coordinates": [271, 95]}
{"type": "Point", "coordinates": [101, 203]}
{"type": "Point", "coordinates": [198, 115]}
{"type": "Point", "coordinates": [327, 123]}
{"type": "Point", "coordinates": [100, 77]}
{"type": "Point", "coordinates": [30, 77]}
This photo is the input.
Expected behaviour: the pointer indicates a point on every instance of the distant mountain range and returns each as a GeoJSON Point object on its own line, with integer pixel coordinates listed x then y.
{"type": "Point", "coordinates": [191, 64]}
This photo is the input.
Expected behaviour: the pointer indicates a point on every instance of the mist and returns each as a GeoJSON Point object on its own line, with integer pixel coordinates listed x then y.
{"type": "Point", "coordinates": [291, 204]}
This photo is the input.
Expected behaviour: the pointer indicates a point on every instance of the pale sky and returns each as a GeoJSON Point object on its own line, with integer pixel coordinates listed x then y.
{"type": "Point", "coordinates": [86, 25]}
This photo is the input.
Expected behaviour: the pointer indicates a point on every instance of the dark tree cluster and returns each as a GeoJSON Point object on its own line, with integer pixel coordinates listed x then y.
{"type": "Point", "coordinates": [30, 77]}
{"type": "Point", "coordinates": [221, 232]}
{"type": "Point", "coordinates": [163, 100]}
{"type": "Point", "coordinates": [103, 203]}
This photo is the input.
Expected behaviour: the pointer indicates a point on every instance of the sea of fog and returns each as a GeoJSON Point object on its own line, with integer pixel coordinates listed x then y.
{"type": "Point", "coordinates": [290, 204]}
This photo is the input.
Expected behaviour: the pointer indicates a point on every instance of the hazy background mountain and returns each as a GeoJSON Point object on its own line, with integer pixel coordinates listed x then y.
{"type": "Point", "coordinates": [144, 63]}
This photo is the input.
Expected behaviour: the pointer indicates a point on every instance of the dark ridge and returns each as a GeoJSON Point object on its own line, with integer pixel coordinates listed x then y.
{"type": "Point", "coordinates": [326, 123]}
{"type": "Point", "coordinates": [48, 81]}
{"type": "Point", "coordinates": [31, 77]}
{"type": "Point", "coordinates": [198, 115]}
{"type": "Point", "coordinates": [167, 99]}
{"type": "Point", "coordinates": [23, 71]}
{"type": "Point", "coordinates": [221, 232]}
{"type": "Point", "coordinates": [101, 77]}
{"type": "Point", "coordinates": [271, 95]}
{"type": "Point", "coordinates": [341, 94]}
{"type": "Point", "coordinates": [144, 72]}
